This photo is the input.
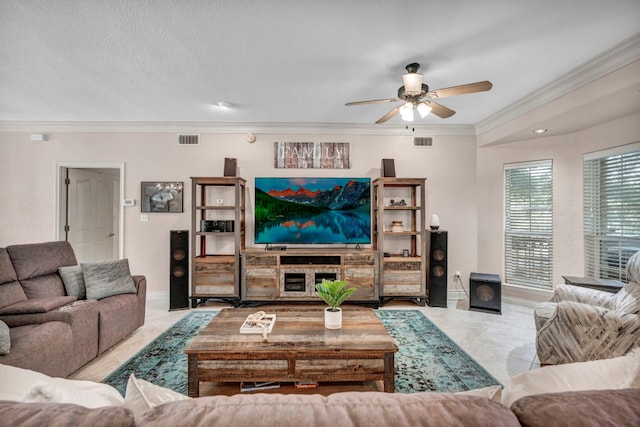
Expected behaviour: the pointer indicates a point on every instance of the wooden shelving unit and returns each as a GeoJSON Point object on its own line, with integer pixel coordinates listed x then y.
{"type": "Point", "coordinates": [400, 276]}
{"type": "Point", "coordinates": [215, 260]}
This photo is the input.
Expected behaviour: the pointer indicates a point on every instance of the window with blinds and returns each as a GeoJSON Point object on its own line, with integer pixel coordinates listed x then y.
{"type": "Point", "coordinates": [611, 211]}
{"type": "Point", "coordinates": [529, 224]}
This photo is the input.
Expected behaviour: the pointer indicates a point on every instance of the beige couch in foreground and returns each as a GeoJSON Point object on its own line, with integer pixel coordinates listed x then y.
{"type": "Point", "coordinates": [585, 408]}
{"type": "Point", "coordinates": [597, 393]}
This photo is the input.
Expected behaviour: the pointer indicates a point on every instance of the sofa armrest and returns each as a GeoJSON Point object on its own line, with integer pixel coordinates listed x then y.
{"type": "Point", "coordinates": [67, 314]}
{"type": "Point", "coordinates": [141, 286]}
{"type": "Point", "coordinates": [140, 282]}
{"type": "Point", "coordinates": [63, 414]}
{"type": "Point", "coordinates": [584, 408]}
{"type": "Point", "coordinates": [583, 295]}
{"type": "Point", "coordinates": [579, 332]}
{"type": "Point", "coordinates": [36, 305]}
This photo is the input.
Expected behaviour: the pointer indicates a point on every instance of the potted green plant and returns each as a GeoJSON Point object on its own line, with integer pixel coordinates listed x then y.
{"type": "Point", "coordinates": [333, 292]}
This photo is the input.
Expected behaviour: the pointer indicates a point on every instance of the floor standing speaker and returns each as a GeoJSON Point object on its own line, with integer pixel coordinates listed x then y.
{"type": "Point", "coordinates": [485, 293]}
{"type": "Point", "coordinates": [437, 275]}
{"type": "Point", "coordinates": [179, 271]}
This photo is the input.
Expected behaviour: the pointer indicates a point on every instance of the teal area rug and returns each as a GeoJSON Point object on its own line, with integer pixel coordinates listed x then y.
{"type": "Point", "coordinates": [428, 360]}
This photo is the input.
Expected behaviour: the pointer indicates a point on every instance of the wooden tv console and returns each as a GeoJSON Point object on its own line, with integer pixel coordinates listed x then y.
{"type": "Point", "coordinates": [291, 275]}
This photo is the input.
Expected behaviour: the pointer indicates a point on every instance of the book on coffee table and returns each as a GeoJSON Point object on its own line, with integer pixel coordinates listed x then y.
{"type": "Point", "coordinates": [258, 324]}
{"type": "Point", "coordinates": [306, 384]}
{"type": "Point", "coordinates": [254, 386]}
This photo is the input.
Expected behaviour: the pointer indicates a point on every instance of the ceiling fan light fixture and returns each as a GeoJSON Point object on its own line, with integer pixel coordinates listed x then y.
{"type": "Point", "coordinates": [406, 112]}
{"type": "Point", "coordinates": [412, 83]}
{"type": "Point", "coordinates": [417, 96]}
{"type": "Point", "coordinates": [423, 109]}
{"type": "Point", "coordinates": [408, 117]}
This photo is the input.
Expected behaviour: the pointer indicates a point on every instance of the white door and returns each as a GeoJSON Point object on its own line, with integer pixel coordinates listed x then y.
{"type": "Point", "coordinates": [90, 221]}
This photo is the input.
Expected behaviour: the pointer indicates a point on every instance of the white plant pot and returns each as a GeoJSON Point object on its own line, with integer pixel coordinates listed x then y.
{"type": "Point", "coordinates": [332, 319]}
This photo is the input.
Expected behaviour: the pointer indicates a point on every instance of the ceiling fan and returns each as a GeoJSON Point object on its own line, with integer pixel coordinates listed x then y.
{"type": "Point", "coordinates": [416, 96]}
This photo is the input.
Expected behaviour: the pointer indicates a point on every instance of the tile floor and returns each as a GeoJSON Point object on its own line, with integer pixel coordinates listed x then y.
{"type": "Point", "coordinates": [503, 344]}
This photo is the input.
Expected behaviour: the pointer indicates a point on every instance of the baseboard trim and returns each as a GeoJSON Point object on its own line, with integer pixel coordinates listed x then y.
{"type": "Point", "coordinates": [524, 296]}
{"type": "Point", "coordinates": [158, 296]}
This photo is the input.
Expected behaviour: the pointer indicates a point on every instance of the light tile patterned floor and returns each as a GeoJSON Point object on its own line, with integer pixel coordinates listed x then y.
{"type": "Point", "coordinates": [503, 344]}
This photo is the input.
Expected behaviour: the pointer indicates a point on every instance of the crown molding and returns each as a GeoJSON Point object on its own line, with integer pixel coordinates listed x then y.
{"type": "Point", "coordinates": [233, 128]}
{"type": "Point", "coordinates": [607, 62]}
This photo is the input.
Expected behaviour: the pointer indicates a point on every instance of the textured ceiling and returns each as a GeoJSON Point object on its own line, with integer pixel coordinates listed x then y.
{"type": "Point", "coordinates": [287, 61]}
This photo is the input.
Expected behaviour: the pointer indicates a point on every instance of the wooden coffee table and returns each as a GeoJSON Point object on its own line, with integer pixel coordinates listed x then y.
{"type": "Point", "coordinates": [298, 348]}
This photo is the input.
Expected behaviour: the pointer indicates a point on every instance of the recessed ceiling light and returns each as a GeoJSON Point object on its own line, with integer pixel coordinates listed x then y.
{"type": "Point", "coordinates": [541, 130]}
{"type": "Point", "coordinates": [222, 105]}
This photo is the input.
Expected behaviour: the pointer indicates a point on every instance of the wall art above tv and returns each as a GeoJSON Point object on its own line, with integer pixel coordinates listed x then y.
{"type": "Point", "coordinates": [308, 155]}
{"type": "Point", "coordinates": [312, 210]}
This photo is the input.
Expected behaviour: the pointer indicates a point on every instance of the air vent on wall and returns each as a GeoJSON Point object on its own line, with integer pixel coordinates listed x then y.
{"type": "Point", "coordinates": [189, 139]}
{"type": "Point", "coordinates": [423, 141]}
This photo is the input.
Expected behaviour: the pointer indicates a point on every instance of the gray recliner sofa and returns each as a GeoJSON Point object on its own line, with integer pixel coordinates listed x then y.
{"type": "Point", "coordinates": [50, 331]}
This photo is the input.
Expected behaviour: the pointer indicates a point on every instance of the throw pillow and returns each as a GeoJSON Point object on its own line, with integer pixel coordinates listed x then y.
{"type": "Point", "coordinates": [5, 338]}
{"type": "Point", "coordinates": [84, 393]}
{"type": "Point", "coordinates": [18, 383]}
{"type": "Point", "coordinates": [493, 392]}
{"type": "Point", "coordinates": [606, 374]}
{"type": "Point", "coordinates": [142, 395]}
{"type": "Point", "coordinates": [73, 280]}
{"type": "Point", "coordinates": [105, 279]}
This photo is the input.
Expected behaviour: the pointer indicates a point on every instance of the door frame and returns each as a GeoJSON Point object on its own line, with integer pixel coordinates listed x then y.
{"type": "Point", "coordinates": [60, 197]}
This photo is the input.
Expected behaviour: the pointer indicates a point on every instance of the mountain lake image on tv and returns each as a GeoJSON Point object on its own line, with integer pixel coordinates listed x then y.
{"type": "Point", "coordinates": [312, 210]}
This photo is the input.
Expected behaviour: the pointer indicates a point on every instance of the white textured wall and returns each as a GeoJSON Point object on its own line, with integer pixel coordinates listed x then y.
{"type": "Point", "coordinates": [27, 211]}
{"type": "Point", "coordinates": [464, 185]}
{"type": "Point", "coordinates": [566, 152]}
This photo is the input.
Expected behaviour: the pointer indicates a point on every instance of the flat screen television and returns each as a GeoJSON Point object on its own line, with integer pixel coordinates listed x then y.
{"type": "Point", "coordinates": [312, 210]}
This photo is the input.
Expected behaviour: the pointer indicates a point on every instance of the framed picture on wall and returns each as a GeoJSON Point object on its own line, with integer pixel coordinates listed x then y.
{"type": "Point", "coordinates": [308, 155]}
{"type": "Point", "coordinates": [161, 197]}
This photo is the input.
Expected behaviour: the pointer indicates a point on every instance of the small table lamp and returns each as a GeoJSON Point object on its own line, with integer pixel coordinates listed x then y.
{"type": "Point", "coordinates": [435, 222]}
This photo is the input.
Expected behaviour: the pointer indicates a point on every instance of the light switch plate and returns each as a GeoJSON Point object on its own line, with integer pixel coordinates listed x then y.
{"type": "Point", "coordinates": [144, 217]}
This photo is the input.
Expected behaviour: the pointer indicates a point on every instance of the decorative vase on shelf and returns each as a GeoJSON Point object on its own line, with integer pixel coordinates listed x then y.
{"type": "Point", "coordinates": [333, 293]}
{"type": "Point", "coordinates": [397, 226]}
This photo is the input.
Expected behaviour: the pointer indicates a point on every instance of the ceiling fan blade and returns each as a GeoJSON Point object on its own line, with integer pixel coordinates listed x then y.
{"type": "Point", "coordinates": [373, 101]}
{"type": "Point", "coordinates": [387, 116]}
{"type": "Point", "coordinates": [461, 90]}
{"type": "Point", "coordinates": [440, 110]}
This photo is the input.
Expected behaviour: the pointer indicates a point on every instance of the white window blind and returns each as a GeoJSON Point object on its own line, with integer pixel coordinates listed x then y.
{"type": "Point", "coordinates": [529, 224]}
{"type": "Point", "coordinates": [611, 213]}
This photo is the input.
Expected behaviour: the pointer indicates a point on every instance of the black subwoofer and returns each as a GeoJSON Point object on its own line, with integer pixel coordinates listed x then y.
{"type": "Point", "coordinates": [179, 270]}
{"type": "Point", "coordinates": [437, 275]}
{"type": "Point", "coordinates": [485, 293]}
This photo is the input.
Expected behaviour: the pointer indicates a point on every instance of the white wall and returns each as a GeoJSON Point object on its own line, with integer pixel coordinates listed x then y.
{"type": "Point", "coordinates": [27, 211]}
{"type": "Point", "coordinates": [566, 152]}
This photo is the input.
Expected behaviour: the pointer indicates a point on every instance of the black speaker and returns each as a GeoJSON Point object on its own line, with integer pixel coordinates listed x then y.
{"type": "Point", "coordinates": [485, 293]}
{"type": "Point", "coordinates": [179, 270]}
{"type": "Point", "coordinates": [388, 168]}
{"type": "Point", "coordinates": [437, 275]}
{"type": "Point", "coordinates": [230, 166]}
